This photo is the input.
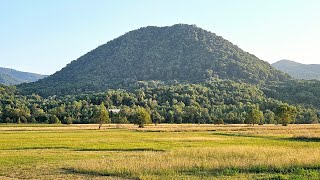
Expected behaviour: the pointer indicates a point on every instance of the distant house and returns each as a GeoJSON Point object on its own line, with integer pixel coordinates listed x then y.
{"type": "Point", "coordinates": [114, 111]}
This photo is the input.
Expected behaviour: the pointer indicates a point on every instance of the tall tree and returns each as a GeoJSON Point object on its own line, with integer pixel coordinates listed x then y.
{"type": "Point", "coordinates": [269, 117]}
{"type": "Point", "coordinates": [255, 116]}
{"type": "Point", "coordinates": [285, 114]}
{"type": "Point", "coordinates": [142, 117]}
{"type": "Point", "coordinates": [102, 115]}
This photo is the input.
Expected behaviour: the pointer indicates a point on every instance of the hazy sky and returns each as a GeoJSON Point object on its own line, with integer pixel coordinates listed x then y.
{"type": "Point", "coordinates": [44, 35]}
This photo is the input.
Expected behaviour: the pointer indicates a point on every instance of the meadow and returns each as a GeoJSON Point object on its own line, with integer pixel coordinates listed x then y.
{"type": "Point", "coordinates": [159, 152]}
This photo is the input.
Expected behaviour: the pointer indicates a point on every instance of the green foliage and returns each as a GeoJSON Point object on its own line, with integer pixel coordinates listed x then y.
{"type": "Point", "coordinates": [254, 116]}
{"type": "Point", "coordinates": [119, 119]}
{"type": "Point", "coordinates": [142, 117]}
{"type": "Point", "coordinates": [54, 120]}
{"type": "Point", "coordinates": [269, 117]}
{"type": "Point", "coordinates": [308, 116]}
{"type": "Point", "coordinates": [102, 115]}
{"type": "Point", "coordinates": [305, 93]}
{"type": "Point", "coordinates": [68, 120]}
{"type": "Point", "coordinates": [177, 54]}
{"type": "Point", "coordinates": [285, 114]}
{"type": "Point", "coordinates": [156, 117]}
{"type": "Point", "coordinates": [215, 101]}
{"type": "Point", "coordinates": [219, 121]}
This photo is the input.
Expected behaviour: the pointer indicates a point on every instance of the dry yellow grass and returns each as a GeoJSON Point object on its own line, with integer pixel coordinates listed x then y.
{"type": "Point", "coordinates": [186, 160]}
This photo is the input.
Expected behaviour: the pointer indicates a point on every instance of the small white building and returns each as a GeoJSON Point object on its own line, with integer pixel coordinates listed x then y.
{"type": "Point", "coordinates": [114, 111]}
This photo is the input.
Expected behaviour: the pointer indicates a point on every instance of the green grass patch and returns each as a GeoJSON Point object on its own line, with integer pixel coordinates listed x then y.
{"type": "Point", "coordinates": [70, 153]}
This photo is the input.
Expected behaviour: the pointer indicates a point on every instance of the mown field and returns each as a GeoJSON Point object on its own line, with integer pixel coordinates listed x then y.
{"type": "Point", "coordinates": [159, 152]}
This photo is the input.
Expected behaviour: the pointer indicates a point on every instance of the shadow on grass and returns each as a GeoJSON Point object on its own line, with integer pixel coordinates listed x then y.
{"type": "Point", "coordinates": [125, 150]}
{"type": "Point", "coordinates": [97, 149]}
{"type": "Point", "coordinates": [298, 170]}
{"type": "Point", "coordinates": [174, 130]}
{"type": "Point", "coordinates": [244, 135]}
{"type": "Point", "coordinates": [260, 172]}
{"type": "Point", "coordinates": [36, 148]}
{"type": "Point", "coordinates": [126, 175]}
{"type": "Point", "coordinates": [304, 139]}
{"type": "Point", "coordinates": [301, 139]}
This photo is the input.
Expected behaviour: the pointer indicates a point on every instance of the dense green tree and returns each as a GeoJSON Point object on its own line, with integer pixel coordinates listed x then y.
{"type": "Point", "coordinates": [307, 116]}
{"type": "Point", "coordinates": [54, 120]}
{"type": "Point", "coordinates": [119, 119]}
{"type": "Point", "coordinates": [68, 120]}
{"type": "Point", "coordinates": [156, 117]}
{"type": "Point", "coordinates": [269, 117]}
{"type": "Point", "coordinates": [142, 117]}
{"type": "Point", "coordinates": [40, 116]}
{"type": "Point", "coordinates": [102, 115]}
{"type": "Point", "coordinates": [218, 121]}
{"type": "Point", "coordinates": [254, 116]}
{"type": "Point", "coordinates": [285, 114]}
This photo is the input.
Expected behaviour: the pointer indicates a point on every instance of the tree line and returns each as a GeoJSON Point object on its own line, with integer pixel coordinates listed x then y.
{"type": "Point", "coordinates": [214, 102]}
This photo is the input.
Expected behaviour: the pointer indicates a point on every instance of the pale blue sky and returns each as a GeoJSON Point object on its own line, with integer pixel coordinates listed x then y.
{"type": "Point", "coordinates": [44, 35]}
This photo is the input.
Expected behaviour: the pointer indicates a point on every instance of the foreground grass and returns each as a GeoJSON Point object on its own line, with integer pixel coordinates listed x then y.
{"type": "Point", "coordinates": [160, 152]}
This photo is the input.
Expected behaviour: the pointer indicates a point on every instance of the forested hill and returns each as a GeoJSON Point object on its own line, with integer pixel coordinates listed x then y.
{"type": "Point", "coordinates": [298, 70]}
{"type": "Point", "coordinates": [178, 53]}
{"type": "Point", "coordinates": [14, 77]}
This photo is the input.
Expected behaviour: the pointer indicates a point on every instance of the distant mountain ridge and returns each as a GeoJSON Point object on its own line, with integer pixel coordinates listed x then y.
{"type": "Point", "coordinates": [299, 70]}
{"type": "Point", "coordinates": [179, 53]}
{"type": "Point", "coordinates": [13, 77]}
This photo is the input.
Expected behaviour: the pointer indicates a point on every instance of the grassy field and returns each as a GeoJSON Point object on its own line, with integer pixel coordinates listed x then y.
{"type": "Point", "coordinates": [159, 152]}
